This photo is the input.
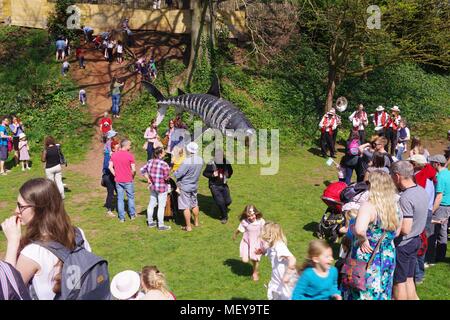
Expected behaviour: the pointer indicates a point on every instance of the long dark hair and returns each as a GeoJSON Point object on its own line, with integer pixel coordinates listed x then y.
{"type": "Point", "coordinates": [378, 160]}
{"type": "Point", "coordinates": [50, 221]}
{"type": "Point", "coordinates": [247, 209]}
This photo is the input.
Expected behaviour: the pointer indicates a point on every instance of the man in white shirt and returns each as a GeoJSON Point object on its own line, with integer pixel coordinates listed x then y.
{"type": "Point", "coordinates": [359, 122]}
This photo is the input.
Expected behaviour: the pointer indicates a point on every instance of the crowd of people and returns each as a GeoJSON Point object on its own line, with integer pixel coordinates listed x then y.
{"type": "Point", "coordinates": [396, 230]}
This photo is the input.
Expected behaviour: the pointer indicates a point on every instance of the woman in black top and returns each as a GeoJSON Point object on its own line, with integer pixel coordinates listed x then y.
{"type": "Point", "coordinates": [52, 158]}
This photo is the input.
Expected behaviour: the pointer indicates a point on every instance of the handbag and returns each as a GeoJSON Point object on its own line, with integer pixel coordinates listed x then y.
{"type": "Point", "coordinates": [354, 271]}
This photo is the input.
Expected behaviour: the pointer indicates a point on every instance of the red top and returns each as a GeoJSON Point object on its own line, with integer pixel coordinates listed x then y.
{"type": "Point", "coordinates": [428, 172]}
{"type": "Point", "coordinates": [79, 52]}
{"type": "Point", "coordinates": [106, 124]}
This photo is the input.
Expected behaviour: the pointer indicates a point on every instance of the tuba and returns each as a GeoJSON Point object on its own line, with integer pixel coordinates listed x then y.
{"type": "Point", "coordinates": [341, 104]}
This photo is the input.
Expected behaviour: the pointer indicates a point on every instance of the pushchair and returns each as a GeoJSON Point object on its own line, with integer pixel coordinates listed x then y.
{"type": "Point", "coordinates": [333, 218]}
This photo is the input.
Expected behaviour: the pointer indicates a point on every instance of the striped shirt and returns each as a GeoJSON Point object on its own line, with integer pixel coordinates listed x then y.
{"type": "Point", "coordinates": [158, 172]}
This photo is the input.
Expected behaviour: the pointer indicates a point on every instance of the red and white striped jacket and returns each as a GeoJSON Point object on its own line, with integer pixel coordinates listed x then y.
{"type": "Point", "coordinates": [380, 119]}
{"type": "Point", "coordinates": [328, 124]}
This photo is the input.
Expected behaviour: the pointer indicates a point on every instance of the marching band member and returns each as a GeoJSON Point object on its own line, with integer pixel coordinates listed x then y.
{"type": "Point", "coordinates": [379, 120]}
{"type": "Point", "coordinates": [327, 126]}
{"type": "Point", "coordinates": [360, 121]}
{"type": "Point", "coordinates": [391, 128]}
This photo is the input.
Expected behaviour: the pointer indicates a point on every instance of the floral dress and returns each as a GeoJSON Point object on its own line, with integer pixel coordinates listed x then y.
{"type": "Point", "coordinates": [379, 277]}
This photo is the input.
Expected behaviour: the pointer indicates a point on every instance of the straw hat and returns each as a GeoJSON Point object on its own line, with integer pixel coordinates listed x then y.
{"type": "Point", "coordinates": [125, 284]}
{"type": "Point", "coordinates": [22, 135]}
{"type": "Point", "coordinates": [379, 108]}
{"type": "Point", "coordinates": [395, 108]}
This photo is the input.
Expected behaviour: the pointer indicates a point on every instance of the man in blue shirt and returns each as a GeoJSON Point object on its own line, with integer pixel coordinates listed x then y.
{"type": "Point", "coordinates": [3, 144]}
{"type": "Point", "coordinates": [88, 32]}
{"type": "Point", "coordinates": [60, 49]}
{"type": "Point", "coordinates": [441, 209]}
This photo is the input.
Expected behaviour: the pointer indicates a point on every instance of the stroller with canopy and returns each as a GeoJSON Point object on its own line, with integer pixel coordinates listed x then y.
{"type": "Point", "coordinates": [333, 218]}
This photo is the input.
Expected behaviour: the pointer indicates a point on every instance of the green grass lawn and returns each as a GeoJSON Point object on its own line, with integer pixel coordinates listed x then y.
{"type": "Point", "coordinates": [205, 264]}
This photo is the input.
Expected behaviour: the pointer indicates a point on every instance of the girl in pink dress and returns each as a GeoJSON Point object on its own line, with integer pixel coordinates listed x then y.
{"type": "Point", "coordinates": [251, 226]}
{"type": "Point", "coordinates": [24, 155]}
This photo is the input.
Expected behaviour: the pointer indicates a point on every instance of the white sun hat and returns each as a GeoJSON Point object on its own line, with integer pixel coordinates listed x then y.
{"type": "Point", "coordinates": [125, 284]}
{"type": "Point", "coordinates": [379, 108]}
{"type": "Point", "coordinates": [192, 147]}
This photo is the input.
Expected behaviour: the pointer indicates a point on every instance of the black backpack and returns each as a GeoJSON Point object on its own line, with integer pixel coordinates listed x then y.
{"type": "Point", "coordinates": [353, 190]}
{"type": "Point", "coordinates": [62, 159]}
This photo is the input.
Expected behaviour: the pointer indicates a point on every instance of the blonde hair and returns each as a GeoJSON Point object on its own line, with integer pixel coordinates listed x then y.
{"type": "Point", "coordinates": [315, 249]}
{"type": "Point", "coordinates": [272, 232]}
{"type": "Point", "coordinates": [382, 195]}
{"type": "Point", "coordinates": [153, 279]}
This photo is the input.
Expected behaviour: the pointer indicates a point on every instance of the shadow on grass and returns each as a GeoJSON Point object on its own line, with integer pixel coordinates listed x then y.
{"type": "Point", "coordinates": [208, 206]}
{"type": "Point", "coordinates": [311, 227]}
{"type": "Point", "coordinates": [315, 151]}
{"type": "Point", "coordinates": [239, 298]}
{"type": "Point", "coordinates": [239, 268]}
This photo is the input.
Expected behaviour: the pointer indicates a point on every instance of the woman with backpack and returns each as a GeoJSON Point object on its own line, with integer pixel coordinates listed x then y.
{"type": "Point", "coordinates": [52, 158]}
{"type": "Point", "coordinates": [351, 157]}
{"type": "Point", "coordinates": [40, 209]}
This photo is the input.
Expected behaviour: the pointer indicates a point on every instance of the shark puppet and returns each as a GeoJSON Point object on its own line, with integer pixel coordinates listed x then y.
{"type": "Point", "coordinates": [215, 112]}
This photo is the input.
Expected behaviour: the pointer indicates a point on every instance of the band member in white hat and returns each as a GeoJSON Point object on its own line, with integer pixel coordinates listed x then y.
{"type": "Point", "coordinates": [392, 126]}
{"type": "Point", "coordinates": [359, 121]}
{"type": "Point", "coordinates": [379, 120]}
{"type": "Point", "coordinates": [327, 126]}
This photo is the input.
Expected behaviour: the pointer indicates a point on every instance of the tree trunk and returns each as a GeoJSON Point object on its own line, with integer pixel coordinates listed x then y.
{"type": "Point", "coordinates": [331, 87]}
{"type": "Point", "coordinates": [199, 11]}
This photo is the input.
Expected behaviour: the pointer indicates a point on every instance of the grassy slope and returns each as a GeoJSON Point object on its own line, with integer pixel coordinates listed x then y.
{"type": "Point", "coordinates": [205, 264]}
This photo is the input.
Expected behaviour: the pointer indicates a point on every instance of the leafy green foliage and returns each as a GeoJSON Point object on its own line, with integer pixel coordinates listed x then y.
{"type": "Point", "coordinates": [31, 87]}
{"type": "Point", "coordinates": [57, 21]}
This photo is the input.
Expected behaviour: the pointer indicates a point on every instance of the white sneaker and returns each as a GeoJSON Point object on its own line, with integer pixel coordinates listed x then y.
{"type": "Point", "coordinates": [23, 169]}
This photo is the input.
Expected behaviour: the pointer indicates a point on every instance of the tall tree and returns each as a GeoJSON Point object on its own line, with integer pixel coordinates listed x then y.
{"type": "Point", "coordinates": [413, 30]}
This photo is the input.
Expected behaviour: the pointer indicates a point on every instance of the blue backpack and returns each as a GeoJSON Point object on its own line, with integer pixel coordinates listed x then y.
{"type": "Point", "coordinates": [85, 276]}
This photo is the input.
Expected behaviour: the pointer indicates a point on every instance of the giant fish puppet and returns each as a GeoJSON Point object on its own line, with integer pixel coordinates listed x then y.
{"type": "Point", "coordinates": [215, 112]}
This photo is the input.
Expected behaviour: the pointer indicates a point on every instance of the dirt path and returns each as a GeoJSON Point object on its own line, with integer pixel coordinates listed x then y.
{"type": "Point", "coordinates": [96, 79]}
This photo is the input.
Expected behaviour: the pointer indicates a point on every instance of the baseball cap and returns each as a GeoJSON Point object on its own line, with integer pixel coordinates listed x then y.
{"type": "Point", "coordinates": [438, 158]}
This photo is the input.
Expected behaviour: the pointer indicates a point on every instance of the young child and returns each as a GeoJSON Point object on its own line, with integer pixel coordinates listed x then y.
{"type": "Point", "coordinates": [251, 226]}
{"type": "Point", "coordinates": [24, 155]}
{"type": "Point", "coordinates": [65, 67]}
{"type": "Point", "coordinates": [403, 136]}
{"type": "Point", "coordinates": [119, 51]}
{"type": "Point", "coordinates": [154, 284]}
{"type": "Point", "coordinates": [283, 262]}
{"type": "Point", "coordinates": [318, 279]}
{"type": "Point", "coordinates": [82, 96]}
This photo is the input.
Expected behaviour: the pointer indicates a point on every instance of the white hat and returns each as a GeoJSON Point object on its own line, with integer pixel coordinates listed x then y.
{"type": "Point", "coordinates": [22, 135]}
{"type": "Point", "coordinates": [125, 284]}
{"type": "Point", "coordinates": [111, 134]}
{"type": "Point", "coordinates": [379, 108]}
{"type": "Point", "coordinates": [192, 147]}
{"type": "Point", "coordinates": [395, 108]}
{"type": "Point", "coordinates": [419, 159]}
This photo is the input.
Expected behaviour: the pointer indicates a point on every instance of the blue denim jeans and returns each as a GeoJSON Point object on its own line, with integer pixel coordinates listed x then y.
{"type": "Point", "coordinates": [127, 187]}
{"type": "Point", "coordinates": [420, 269]}
{"type": "Point", "coordinates": [400, 150]}
{"type": "Point", "coordinates": [115, 104]}
{"type": "Point", "coordinates": [160, 198]}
